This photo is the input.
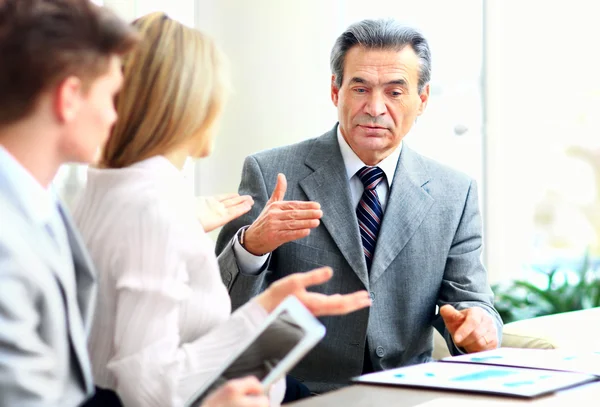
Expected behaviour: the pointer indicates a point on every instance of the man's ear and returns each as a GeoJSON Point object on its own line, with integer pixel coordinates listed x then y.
{"type": "Point", "coordinates": [68, 98]}
{"type": "Point", "coordinates": [335, 91]}
{"type": "Point", "coordinates": [424, 96]}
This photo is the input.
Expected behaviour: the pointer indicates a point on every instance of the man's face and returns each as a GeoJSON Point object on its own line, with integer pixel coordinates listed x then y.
{"type": "Point", "coordinates": [378, 100]}
{"type": "Point", "coordinates": [91, 120]}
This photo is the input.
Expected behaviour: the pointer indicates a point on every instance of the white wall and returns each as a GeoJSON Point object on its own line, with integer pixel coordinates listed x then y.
{"type": "Point", "coordinates": [279, 53]}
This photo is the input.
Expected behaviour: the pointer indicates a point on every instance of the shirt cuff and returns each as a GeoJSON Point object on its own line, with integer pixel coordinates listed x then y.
{"type": "Point", "coordinates": [247, 262]}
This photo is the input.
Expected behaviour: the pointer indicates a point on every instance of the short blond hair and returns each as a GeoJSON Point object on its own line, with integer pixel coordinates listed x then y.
{"type": "Point", "coordinates": [174, 85]}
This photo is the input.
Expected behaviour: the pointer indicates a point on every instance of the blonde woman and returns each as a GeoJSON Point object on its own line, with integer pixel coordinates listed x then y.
{"type": "Point", "coordinates": [163, 322]}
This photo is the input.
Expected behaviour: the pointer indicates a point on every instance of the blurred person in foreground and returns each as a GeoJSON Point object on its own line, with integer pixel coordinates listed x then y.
{"type": "Point", "coordinates": [59, 72]}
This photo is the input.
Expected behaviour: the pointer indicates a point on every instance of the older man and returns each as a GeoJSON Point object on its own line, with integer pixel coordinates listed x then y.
{"type": "Point", "coordinates": [384, 217]}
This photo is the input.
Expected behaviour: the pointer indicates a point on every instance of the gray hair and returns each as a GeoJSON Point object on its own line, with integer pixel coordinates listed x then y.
{"type": "Point", "coordinates": [381, 34]}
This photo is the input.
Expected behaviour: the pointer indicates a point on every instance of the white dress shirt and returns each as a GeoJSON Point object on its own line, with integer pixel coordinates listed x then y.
{"type": "Point", "coordinates": [162, 325]}
{"type": "Point", "coordinates": [251, 264]}
{"type": "Point", "coordinates": [40, 204]}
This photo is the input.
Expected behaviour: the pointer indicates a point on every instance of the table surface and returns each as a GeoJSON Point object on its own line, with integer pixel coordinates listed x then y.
{"type": "Point", "coordinates": [383, 396]}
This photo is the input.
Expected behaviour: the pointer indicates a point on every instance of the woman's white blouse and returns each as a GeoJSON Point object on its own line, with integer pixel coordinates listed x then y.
{"type": "Point", "coordinates": [162, 324]}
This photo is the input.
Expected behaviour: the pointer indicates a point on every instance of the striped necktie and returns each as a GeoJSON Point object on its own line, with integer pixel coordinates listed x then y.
{"type": "Point", "coordinates": [369, 211]}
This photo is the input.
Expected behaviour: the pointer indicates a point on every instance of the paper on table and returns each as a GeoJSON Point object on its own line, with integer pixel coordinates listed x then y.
{"type": "Point", "coordinates": [478, 378]}
{"type": "Point", "coordinates": [551, 359]}
{"type": "Point", "coordinates": [463, 402]}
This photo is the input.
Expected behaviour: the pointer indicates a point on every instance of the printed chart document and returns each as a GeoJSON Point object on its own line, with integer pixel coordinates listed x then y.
{"type": "Point", "coordinates": [549, 359]}
{"type": "Point", "coordinates": [478, 378]}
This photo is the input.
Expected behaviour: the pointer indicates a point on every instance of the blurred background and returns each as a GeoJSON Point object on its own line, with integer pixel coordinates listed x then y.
{"type": "Point", "coordinates": [515, 104]}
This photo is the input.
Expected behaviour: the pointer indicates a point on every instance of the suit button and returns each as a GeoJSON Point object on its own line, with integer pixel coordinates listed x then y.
{"type": "Point", "coordinates": [372, 296]}
{"type": "Point", "coordinates": [380, 351]}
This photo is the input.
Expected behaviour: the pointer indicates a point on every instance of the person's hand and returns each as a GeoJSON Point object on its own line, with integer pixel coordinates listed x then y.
{"type": "Point", "coordinates": [472, 329]}
{"type": "Point", "coordinates": [318, 304]}
{"type": "Point", "coordinates": [281, 221]}
{"type": "Point", "coordinates": [215, 211]}
{"type": "Point", "coordinates": [245, 392]}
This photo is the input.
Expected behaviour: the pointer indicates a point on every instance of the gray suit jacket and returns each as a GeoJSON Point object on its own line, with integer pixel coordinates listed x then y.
{"type": "Point", "coordinates": [428, 253]}
{"type": "Point", "coordinates": [46, 306]}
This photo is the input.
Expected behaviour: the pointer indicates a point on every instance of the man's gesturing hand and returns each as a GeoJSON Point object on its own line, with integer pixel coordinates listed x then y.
{"type": "Point", "coordinates": [281, 221]}
{"type": "Point", "coordinates": [472, 329]}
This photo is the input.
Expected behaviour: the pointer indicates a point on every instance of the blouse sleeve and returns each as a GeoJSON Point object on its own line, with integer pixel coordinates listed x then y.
{"type": "Point", "coordinates": [151, 365]}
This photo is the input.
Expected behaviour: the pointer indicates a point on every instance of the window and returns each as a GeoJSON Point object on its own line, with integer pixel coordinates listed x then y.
{"type": "Point", "coordinates": [544, 169]}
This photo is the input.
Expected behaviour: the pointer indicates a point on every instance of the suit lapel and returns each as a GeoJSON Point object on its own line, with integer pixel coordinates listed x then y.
{"type": "Point", "coordinates": [78, 297]}
{"type": "Point", "coordinates": [328, 185]}
{"type": "Point", "coordinates": [84, 271]}
{"type": "Point", "coordinates": [85, 300]}
{"type": "Point", "coordinates": [407, 206]}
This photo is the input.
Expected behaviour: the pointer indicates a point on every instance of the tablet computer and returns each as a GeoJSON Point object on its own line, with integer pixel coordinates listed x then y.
{"type": "Point", "coordinates": [288, 333]}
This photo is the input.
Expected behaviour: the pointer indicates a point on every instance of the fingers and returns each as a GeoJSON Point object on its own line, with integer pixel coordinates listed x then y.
{"type": "Point", "coordinates": [214, 212]}
{"type": "Point", "coordinates": [483, 337]}
{"type": "Point", "coordinates": [473, 329]}
{"type": "Point", "coordinates": [280, 188]}
{"type": "Point", "coordinates": [300, 281]}
{"type": "Point", "coordinates": [262, 401]}
{"type": "Point", "coordinates": [479, 340]}
{"type": "Point", "coordinates": [299, 214]}
{"type": "Point", "coordinates": [235, 200]}
{"type": "Point", "coordinates": [298, 205]}
{"type": "Point", "coordinates": [282, 221]}
{"type": "Point", "coordinates": [451, 315]}
{"type": "Point", "coordinates": [337, 304]}
{"type": "Point", "coordinates": [245, 385]}
{"type": "Point", "coordinates": [467, 328]}
{"type": "Point", "coordinates": [245, 392]}
{"type": "Point", "coordinates": [239, 207]}
{"type": "Point", "coordinates": [300, 224]}
{"type": "Point", "coordinates": [272, 227]}
{"type": "Point", "coordinates": [294, 284]}
{"type": "Point", "coordinates": [318, 304]}
{"type": "Point", "coordinates": [321, 304]}
{"type": "Point", "coordinates": [224, 197]}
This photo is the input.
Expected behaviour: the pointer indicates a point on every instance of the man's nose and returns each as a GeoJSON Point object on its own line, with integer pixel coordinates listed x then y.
{"type": "Point", "coordinates": [375, 105]}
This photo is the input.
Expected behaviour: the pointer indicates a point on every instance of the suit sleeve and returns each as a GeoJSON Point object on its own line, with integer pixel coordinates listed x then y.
{"type": "Point", "coordinates": [26, 362]}
{"type": "Point", "coordinates": [465, 283]}
{"type": "Point", "coordinates": [243, 286]}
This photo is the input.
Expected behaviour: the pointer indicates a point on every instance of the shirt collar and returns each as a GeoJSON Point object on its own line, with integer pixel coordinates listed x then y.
{"type": "Point", "coordinates": [353, 163]}
{"type": "Point", "coordinates": [38, 202]}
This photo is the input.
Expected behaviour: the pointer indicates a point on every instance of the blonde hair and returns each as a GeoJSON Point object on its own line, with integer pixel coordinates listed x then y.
{"type": "Point", "coordinates": [173, 90]}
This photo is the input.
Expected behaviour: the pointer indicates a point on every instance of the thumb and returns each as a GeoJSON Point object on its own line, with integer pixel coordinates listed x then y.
{"type": "Point", "coordinates": [451, 315]}
{"type": "Point", "coordinates": [280, 188]}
